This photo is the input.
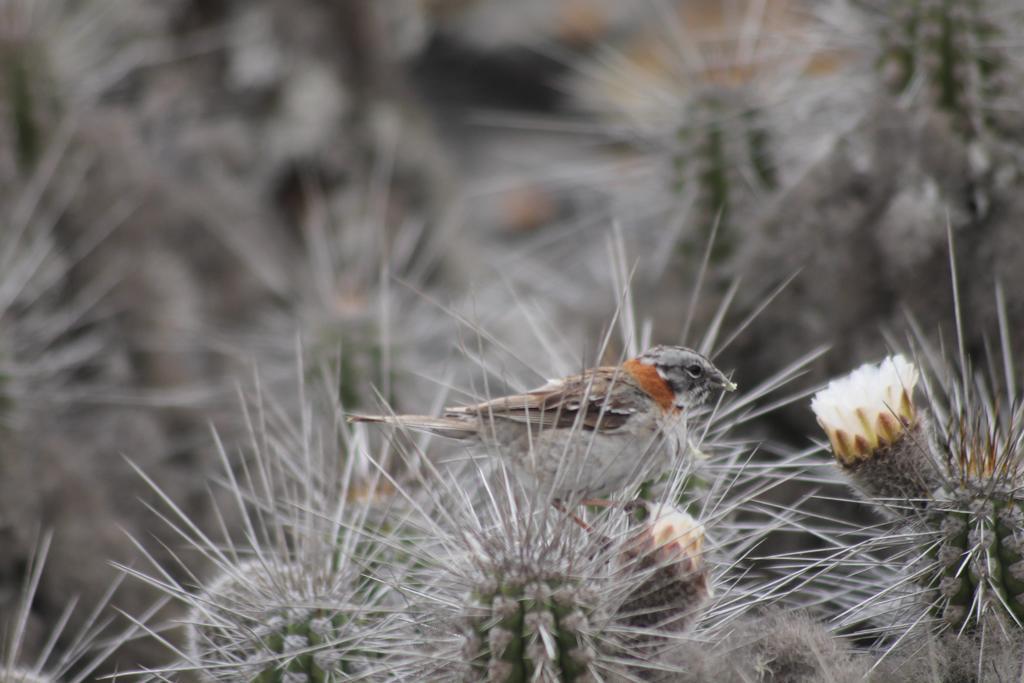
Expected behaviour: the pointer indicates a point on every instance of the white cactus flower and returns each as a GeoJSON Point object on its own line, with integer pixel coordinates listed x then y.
{"type": "Point", "coordinates": [868, 408]}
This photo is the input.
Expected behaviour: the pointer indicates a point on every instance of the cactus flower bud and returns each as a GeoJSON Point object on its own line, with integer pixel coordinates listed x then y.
{"type": "Point", "coordinates": [668, 554]}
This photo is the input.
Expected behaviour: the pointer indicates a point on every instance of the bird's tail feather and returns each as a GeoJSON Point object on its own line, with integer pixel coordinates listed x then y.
{"type": "Point", "coordinates": [450, 427]}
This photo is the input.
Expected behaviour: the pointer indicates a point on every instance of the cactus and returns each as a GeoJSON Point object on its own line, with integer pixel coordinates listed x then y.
{"type": "Point", "coordinates": [24, 122]}
{"type": "Point", "coordinates": [961, 51]}
{"type": "Point", "coordinates": [774, 646]}
{"type": "Point", "coordinates": [533, 593]}
{"type": "Point", "coordinates": [527, 628]}
{"type": "Point", "coordinates": [949, 481]}
{"type": "Point", "coordinates": [244, 627]}
{"type": "Point", "coordinates": [724, 154]}
{"type": "Point", "coordinates": [286, 617]}
{"type": "Point", "coordinates": [979, 561]}
{"type": "Point", "coordinates": [528, 624]}
{"type": "Point", "coordinates": [352, 347]}
{"type": "Point", "coordinates": [526, 616]}
{"type": "Point", "coordinates": [306, 595]}
{"type": "Point", "coordinates": [84, 651]}
{"type": "Point", "coordinates": [668, 555]}
{"type": "Point", "coordinates": [26, 76]}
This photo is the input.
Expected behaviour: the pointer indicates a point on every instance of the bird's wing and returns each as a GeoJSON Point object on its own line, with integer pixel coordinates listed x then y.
{"type": "Point", "coordinates": [601, 399]}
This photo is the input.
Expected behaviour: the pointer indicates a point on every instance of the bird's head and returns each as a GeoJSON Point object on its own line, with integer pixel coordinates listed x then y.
{"type": "Point", "coordinates": [687, 374]}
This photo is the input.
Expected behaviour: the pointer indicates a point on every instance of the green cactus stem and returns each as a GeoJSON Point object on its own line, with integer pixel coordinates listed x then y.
{"type": "Point", "coordinates": [957, 48]}
{"type": "Point", "coordinates": [526, 630]}
{"type": "Point", "coordinates": [724, 156]}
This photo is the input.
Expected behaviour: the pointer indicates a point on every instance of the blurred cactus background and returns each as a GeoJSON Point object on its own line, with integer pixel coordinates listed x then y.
{"type": "Point", "coordinates": [226, 225]}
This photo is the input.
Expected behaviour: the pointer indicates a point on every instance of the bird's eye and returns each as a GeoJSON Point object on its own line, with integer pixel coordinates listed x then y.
{"type": "Point", "coordinates": [694, 370]}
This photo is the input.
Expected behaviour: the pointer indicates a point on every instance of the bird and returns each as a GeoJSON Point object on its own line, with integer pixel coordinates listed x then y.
{"type": "Point", "coordinates": [586, 435]}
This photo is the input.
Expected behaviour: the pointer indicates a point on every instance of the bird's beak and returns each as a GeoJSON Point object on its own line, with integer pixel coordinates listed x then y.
{"type": "Point", "coordinates": [725, 383]}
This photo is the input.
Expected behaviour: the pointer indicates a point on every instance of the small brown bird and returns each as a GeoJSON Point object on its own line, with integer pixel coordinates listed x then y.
{"type": "Point", "coordinates": [588, 434]}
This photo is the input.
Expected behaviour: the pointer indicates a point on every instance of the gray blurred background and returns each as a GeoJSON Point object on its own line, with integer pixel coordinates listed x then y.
{"type": "Point", "coordinates": [197, 192]}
